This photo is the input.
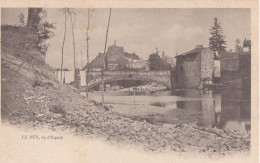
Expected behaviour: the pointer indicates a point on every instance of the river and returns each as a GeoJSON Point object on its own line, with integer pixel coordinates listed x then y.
{"type": "Point", "coordinates": [229, 110]}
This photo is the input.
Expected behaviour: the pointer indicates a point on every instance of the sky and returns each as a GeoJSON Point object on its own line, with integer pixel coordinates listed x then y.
{"type": "Point", "coordinates": [137, 30]}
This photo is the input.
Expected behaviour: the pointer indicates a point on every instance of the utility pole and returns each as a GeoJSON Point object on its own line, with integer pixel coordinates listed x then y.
{"type": "Point", "coordinates": [103, 61]}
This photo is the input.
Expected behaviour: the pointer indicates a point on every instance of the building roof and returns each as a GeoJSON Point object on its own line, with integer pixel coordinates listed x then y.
{"type": "Point", "coordinates": [191, 52]}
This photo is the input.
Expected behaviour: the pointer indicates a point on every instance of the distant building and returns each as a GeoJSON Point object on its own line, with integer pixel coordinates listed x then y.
{"type": "Point", "coordinates": [168, 59]}
{"type": "Point", "coordinates": [115, 58]}
{"type": "Point", "coordinates": [140, 64]}
{"type": "Point", "coordinates": [194, 68]}
{"type": "Point", "coordinates": [247, 45]}
{"type": "Point", "coordinates": [236, 67]}
{"type": "Point", "coordinates": [112, 65]}
{"type": "Point", "coordinates": [230, 61]}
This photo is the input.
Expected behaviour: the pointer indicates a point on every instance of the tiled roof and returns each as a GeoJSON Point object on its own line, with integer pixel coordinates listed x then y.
{"type": "Point", "coordinates": [193, 51]}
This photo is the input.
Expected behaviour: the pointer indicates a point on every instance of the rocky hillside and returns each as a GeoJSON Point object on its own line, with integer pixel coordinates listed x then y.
{"type": "Point", "coordinates": [32, 97]}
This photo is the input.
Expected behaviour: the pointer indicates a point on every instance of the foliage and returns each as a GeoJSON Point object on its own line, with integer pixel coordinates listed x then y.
{"type": "Point", "coordinates": [44, 32]}
{"type": "Point", "coordinates": [238, 46]}
{"type": "Point", "coordinates": [156, 63]}
{"type": "Point", "coordinates": [216, 41]}
{"type": "Point", "coordinates": [21, 19]}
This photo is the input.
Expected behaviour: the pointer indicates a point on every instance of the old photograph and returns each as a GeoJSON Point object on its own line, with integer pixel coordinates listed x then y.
{"type": "Point", "coordinates": [161, 80]}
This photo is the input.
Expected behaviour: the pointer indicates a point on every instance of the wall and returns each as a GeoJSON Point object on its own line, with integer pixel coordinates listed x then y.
{"type": "Point", "coordinates": [229, 62]}
{"type": "Point", "coordinates": [188, 71]}
{"type": "Point", "coordinates": [207, 63]}
{"type": "Point", "coordinates": [68, 77]}
{"type": "Point", "coordinates": [236, 70]}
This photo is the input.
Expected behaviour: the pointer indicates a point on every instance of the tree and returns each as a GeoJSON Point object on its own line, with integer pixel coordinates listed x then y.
{"type": "Point", "coordinates": [33, 18]}
{"type": "Point", "coordinates": [156, 62]}
{"type": "Point", "coordinates": [21, 19]}
{"type": "Point", "coordinates": [216, 41]}
{"type": "Point", "coordinates": [103, 59]}
{"type": "Point", "coordinates": [72, 14]}
{"type": "Point", "coordinates": [44, 33]}
{"type": "Point", "coordinates": [64, 37]}
{"type": "Point", "coordinates": [37, 23]}
{"type": "Point", "coordinates": [89, 16]}
{"type": "Point", "coordinates": [238, 46]}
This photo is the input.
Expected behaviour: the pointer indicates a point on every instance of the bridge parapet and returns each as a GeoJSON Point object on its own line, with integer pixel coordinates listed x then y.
{"type": "Point", "coordinates": [161, 77]}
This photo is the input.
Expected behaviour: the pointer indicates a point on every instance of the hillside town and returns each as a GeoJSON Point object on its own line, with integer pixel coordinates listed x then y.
{"type": "Point", "coordinates": [197, 68]}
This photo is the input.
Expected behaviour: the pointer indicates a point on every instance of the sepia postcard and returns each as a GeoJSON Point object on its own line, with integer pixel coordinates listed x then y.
{"type": "Point", "coordinates": [125, 82]}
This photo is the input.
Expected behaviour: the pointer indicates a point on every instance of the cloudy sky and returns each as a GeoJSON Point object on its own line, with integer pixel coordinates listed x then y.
{"type": "Point", "coordinates": [139, 30]}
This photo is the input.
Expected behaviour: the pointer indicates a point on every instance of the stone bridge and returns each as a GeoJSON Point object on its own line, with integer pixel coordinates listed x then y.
{"type": "Point", "coordinates": [164, 78]}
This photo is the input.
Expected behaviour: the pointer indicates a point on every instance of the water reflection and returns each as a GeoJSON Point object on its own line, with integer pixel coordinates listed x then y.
{"type": "Point", "coordinates": [224, 110]}
{"type": "Point", "coordinates": [228, 110]}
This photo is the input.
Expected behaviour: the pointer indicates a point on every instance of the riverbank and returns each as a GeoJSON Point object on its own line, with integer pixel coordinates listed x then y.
{"type": "Point", "coordinates": [147, 87]}
{"type": "Point", "coordinates": [61, 108]}
{"type": "Point", "coordinates": [33, 98]}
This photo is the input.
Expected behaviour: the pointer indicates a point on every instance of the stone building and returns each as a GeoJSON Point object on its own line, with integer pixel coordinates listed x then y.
{"type": "Point", "coordinates": [236, 68]}
{"type": "Point", "coordinates": [114, 58]}
{"type": "Point", "coordinates": [194, 68]}
{"type": "Point", "coordinates": [140, 64]}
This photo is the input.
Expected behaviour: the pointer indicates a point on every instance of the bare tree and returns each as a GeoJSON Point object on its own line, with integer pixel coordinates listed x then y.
{"type": "Point", "coordinates": [64, 37]}
{"type": "Point", "coordinates": [103, 65]}
{"type": "Point", "coordinates": [87, 57]}
{"type": "Point", "coordinates": [89, 17]}
{"type": "Point", "coordinates": [72, 14]}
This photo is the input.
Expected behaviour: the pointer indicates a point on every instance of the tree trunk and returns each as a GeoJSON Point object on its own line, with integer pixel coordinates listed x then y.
{"type": "Point", "coordinates": [63, 44]}
{"type": "Point", "coordinates": [87, 56]}
{"type": "Point", "coordinates": [33, 18]}
{"type": "Point", "coordinates": [72, 27]}
{"type": "Point", "coordinates": [103, 65]}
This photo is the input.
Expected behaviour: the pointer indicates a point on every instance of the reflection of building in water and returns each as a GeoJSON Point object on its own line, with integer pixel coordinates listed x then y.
{"type": "Point", "coordinates": [228, 110]}
{"type": "Point", "coordinates": [218, 110]}
{"type": "Point", "coordinates": [208, 110]}
{"type": "Point", "coordinates": [235, 113]}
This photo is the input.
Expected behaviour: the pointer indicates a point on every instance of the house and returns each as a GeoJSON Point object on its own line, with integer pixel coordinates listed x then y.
{"type": "Point", "coordinates": [194, 68]}
{"type": "Point", "coordinates": [115, 58]}
{"type": "Point", "coordinates": [236, 67]}
{"type": "Point", "coordinates": [140, 64]}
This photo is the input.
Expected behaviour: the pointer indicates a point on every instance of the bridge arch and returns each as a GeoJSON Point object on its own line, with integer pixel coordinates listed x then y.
{"type": "Point", "coordinates": [92, 85]}
{"type": "Point", "coordinates": [160, 77]}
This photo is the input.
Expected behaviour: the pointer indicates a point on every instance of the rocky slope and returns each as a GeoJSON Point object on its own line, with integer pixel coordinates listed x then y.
{"type": "Point", "coordinates": [32, 97]}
